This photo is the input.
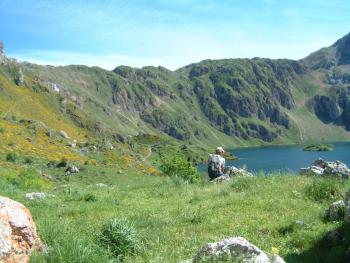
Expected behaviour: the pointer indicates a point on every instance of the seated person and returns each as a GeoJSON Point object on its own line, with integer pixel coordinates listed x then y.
{"type": "Point", "coordinates": [216, 164]}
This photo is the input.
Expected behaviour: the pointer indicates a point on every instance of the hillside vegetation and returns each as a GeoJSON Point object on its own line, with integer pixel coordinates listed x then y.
{"type": "Point", "coordinates": [233, 102]}
{"type": "Point", "coordinates": [135, 135]}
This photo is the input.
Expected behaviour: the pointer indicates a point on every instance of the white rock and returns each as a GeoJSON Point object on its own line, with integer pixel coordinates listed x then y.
{"type": "Point", "coordinates": [64, 134]}
{"type": "Point", "coordinates": [71, 169]}
{"type": "Point", "coordinates": [324, 168]}
{"type": "Point", "coordinates": [35, 195]}
{"type": "Point", "coordinates": [56, 88]}
{"type": "Point", "coordinates": [73, 144]}
{"type": "Point", "coordinates": [232, 250]}
{"type": "Point", "coordinates": [18, 236]}
{"type": "Point", "coordinates": [313, 170]}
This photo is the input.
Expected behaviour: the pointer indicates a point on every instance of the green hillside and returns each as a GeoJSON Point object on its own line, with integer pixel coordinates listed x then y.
{"type": "Point", "coordinates": [233, 102]}
{"type": "Point", "coordinates": [135, 136]}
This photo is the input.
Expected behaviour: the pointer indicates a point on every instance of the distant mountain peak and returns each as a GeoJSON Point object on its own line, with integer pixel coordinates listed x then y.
{"type": "Point", "coordinates": [335, 55]}
{"type": "Point", "coordinates": [343, 50]}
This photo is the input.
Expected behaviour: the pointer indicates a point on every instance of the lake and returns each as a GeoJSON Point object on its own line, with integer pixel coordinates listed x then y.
{"type": "Point", "coordinates": [284, 158]}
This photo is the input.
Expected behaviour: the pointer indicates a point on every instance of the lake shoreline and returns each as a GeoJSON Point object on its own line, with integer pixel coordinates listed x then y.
{"type": "Point", "coordinates": [283, 158]}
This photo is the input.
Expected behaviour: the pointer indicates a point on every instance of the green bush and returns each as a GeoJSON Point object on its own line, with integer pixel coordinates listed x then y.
{"type": "Point", "coordinates": [28, 160]}
{"type": "Point", "coordinates": [120, 237]}
{"type": "Point", "coordinates": [323, 189]}
{"type": "Point", "coordinates": [178, 166]}
{"type": "Point", "coordinates": [2, 130]}
{"type": "Point", "coordinates": [62, 163]}
{"type": "Point", "coordinates": [11, 157]}
{"type": "Point", "coordinates": [90, 198]}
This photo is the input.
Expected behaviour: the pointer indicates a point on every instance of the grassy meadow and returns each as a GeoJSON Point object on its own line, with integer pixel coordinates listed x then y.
{"type": "Point", "coordinates": [171, 218]}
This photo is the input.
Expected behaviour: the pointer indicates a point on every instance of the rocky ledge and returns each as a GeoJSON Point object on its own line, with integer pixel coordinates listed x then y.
{"type": "Point", "coordinates": [325, 168]}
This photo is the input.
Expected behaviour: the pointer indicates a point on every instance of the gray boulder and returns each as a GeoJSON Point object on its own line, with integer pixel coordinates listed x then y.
{"type": "Point", "coordinates": [231, 172]}
{"type": "Point", "coordinates": [234, 171]}
{"type": "Point", "coordinates": [347, 197]}
{"type": "Point", "coordinates": [222, 178]}
{"type": "Point", "coordinates": [71, 169]}
{"type": "Point", "coordinates": [312, 170]}
{"type": "Point", "coordinates": [35, 195]}
{"type": "Point", "coordinates": [336, 211]}
{"type": "Point", "coordinates": [325, 168]}
{"type": "Point", "coordinates": [236, 249]}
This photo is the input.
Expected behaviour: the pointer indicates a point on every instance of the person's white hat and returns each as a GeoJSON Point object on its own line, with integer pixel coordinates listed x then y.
{"type": "Point", "coordinates": [220, 149]}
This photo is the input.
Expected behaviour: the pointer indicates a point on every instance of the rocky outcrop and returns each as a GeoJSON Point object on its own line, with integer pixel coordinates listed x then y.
{"type": "Point", "coordinates": [18, 236]}
{"type": "Point", "coordinates": [324, 168]}
{"type": "Point", "coordinates": [326, 108]}
{"type": "Point", "coordinates": [339, 210]}
{"type": "Point", "coordinates": [236, 249]}
{"type": "Point", "coordinates": [336, 211]}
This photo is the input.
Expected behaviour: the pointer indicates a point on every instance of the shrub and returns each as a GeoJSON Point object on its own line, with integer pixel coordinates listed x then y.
{"type": "Point", "coordinates": [28, 180]}
{"type": "Point", "coordinates": [323, 189]}
{"type": "Point", "coordinates": [90, 198]}
{"type": "Point", "coordinates": [177, 166]}
{"type": "Point", "coordinates": [11, 157]}
{"type": "Point", "coordinates": [62, 163]}
{"type": "Point", "coordinates": [120, 237]}
{"type": "Point", "coordinates": [28, 160]}
{"type": "Point", "coordinates": [2, 130]}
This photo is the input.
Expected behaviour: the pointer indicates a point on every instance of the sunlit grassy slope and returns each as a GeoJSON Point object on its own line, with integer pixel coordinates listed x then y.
{"type": "Point", "coordinates": [25, 118]}
{"type": "Point", "coordinates": [175, 219]}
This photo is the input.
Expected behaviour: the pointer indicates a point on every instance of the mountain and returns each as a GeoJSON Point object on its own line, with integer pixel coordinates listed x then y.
{"type": "Point", "coordinates": [230, 102]}
{"type": "Point", "coordinates": [333, 65]}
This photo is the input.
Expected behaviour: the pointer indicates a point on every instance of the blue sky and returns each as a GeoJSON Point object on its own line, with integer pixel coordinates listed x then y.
{"type": "Point", "coordinates": [168, 33]}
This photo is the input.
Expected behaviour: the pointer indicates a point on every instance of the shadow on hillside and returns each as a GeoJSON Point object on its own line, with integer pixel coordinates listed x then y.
{"type": "Point", "coordinates": [327, 250]}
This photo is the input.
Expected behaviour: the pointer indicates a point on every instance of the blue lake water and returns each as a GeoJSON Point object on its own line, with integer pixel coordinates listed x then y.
{"type": "Point", "coordinates": [284, 158]}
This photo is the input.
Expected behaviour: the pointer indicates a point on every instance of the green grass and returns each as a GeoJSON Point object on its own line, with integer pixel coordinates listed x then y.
{"type": "Point", "coordinates": [267, 210]}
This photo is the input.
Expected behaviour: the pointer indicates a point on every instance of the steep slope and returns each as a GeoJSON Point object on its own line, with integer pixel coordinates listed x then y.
{"type": "Point", "coordinates": [30, 119]}
{"type": "Point", "coordinates": [332, 64]}
{"type": "Point", "coordinates": [232, 102]}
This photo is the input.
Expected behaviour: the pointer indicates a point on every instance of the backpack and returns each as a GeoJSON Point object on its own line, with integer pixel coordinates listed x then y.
{"type": "Point", "coordinates": [214, 166]}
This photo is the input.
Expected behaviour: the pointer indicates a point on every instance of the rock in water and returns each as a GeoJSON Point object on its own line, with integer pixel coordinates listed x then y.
{"type": "Point", "coordinates": [236, 249]}
{"type": "Point", "coordinates": [324, 168]}
{"type": "Point", "coordinates": [18, 236]}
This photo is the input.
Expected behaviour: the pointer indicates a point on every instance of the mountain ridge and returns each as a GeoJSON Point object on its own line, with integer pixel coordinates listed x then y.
{"type": "Point", "coordinates": [234, 102]}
